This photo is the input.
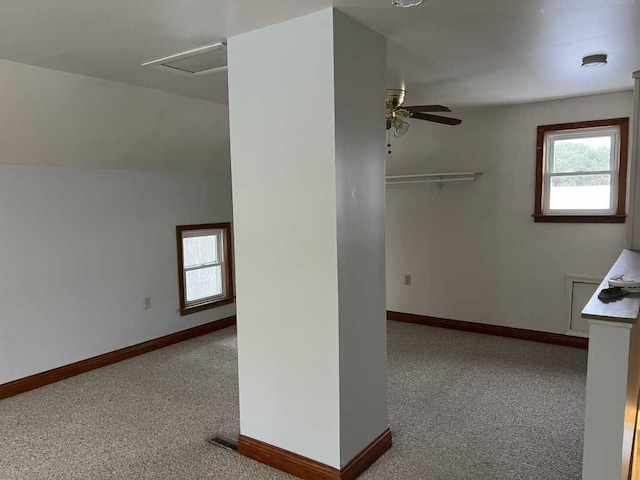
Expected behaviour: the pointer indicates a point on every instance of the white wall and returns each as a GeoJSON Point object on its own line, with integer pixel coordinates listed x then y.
{"type": "Point", "coordinates": [56, 118]}
{"type": "Point", "coordinates": [635, 155]}
{"type": "Point", "coordinates": [308, 177]}
{"type": "Point", "coordinates": [80, 247]}
{"type": "Point", "coordinates": [284, 201]}
{"type": "Point", "coordinates": [473, 250]}
{"type": "Point", "coordinates": [360, 66]}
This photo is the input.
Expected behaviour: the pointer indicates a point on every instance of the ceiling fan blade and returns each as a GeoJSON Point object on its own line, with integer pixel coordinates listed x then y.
{"type": "Point", "coordinates": [437, 119]}
{"type": "Point", "coordinates": [427, 108]}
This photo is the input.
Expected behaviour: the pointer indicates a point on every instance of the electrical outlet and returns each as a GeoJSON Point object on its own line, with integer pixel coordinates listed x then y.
{"type": "Point", "coordinates": [146, 303]}
{"type": "Point", "coordinates": [407, 279]}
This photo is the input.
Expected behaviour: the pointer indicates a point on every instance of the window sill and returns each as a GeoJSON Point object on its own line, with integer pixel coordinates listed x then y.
{"type": "Point", "coordinates": [539, 217]}
{"type": "Point", "coordinates": [206, 306]}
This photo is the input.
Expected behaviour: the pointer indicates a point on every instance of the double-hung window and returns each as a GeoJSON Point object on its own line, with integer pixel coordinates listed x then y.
{"type": "Point", "coordinates": [582, 172]}
{"type": "Point", "coordinates": [204, 266]}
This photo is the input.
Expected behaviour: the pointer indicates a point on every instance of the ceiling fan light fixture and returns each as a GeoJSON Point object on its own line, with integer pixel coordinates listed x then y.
{"type": "Point", "coordinates": [400, 127]}
{"type": "Point", "coordinates": [406, 3]}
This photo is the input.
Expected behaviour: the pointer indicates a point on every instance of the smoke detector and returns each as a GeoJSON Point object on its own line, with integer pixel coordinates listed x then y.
{"type": "Point", "coordinates": [197, 61]}
{"type": "Point", "coordinates": [406, 3]}
{"type": "Point", "coordinates": [595, 61]}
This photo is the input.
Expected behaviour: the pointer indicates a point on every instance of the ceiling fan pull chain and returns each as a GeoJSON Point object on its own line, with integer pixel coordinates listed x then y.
{"type": "Point", "coordinates": [389, 141]}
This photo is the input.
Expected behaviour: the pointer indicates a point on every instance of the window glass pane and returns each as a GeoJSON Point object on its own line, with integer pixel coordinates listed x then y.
{"type": "Point", "coordinates": [580, 192]}
{"type": "Point", "coordinates": [587, 154]}
{"type": "Point", "coordinates": [203, 283]}
{"type": "Point", "coordinates": [200, 250]}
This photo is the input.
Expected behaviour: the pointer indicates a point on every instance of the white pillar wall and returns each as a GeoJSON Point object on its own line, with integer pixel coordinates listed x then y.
{"type": "Point", "coordinates": [307, 100]}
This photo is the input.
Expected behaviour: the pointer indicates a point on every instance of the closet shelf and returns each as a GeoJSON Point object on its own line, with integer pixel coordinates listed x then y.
{"type": "Point", "coordinates": [433, 178]}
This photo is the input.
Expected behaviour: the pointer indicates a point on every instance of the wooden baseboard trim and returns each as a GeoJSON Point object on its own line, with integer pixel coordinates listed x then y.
{"type": "Point", "coordinates": [285, 460]}
{"type": "Point", "coordinates": [367, 457]}
{"type": "Point", "coordinates": [522, 334]}
{"type": "Point", "coordinates": [308, 469]}
{"type": "Point", "coordinates": [51, 376]}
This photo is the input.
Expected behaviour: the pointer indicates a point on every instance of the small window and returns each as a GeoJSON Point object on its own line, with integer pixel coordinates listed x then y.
{"type": "Point", "coordinates": [204, 266]}
{"type": "Point", "coordinates": [581, 172]}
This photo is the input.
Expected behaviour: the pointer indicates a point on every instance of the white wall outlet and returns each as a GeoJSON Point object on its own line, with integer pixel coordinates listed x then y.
{"type": "Point", "coordinates": [146, 303]}
{"type": "Point", "coordinates": [407, 279]}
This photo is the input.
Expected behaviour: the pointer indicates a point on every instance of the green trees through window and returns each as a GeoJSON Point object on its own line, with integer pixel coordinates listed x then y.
{"type": "Point", "coordinates": [581, 172]}
{"type": "Point", "coordinates": [591, 154]}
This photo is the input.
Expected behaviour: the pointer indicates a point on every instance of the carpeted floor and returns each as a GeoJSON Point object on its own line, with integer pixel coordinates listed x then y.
{"type": "Point", "coordinates": [462, 406]}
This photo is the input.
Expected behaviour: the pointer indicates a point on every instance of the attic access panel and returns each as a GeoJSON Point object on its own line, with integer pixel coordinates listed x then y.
{"type": "Point", "coordinates": [198, 61]}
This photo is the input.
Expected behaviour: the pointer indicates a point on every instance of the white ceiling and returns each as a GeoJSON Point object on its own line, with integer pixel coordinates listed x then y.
{"type": "Point", "coordinates": [456, 52]}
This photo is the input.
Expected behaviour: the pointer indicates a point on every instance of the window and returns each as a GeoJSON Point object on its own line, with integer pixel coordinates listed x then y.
{"type": "Point", "coordinates": [581, 172]}
{"type": "Point", "coordinates": [204, 266]}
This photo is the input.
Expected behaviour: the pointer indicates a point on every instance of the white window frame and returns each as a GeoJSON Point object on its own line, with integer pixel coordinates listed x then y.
{"type": "Point", "coordinates": [219, 234]}
{"type": "Point", "coordinates": [222, 232]}
{"type": "Point", "coordinates": [611, 131]}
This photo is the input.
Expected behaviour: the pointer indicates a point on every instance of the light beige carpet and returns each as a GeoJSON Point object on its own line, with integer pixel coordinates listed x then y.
{"type": "Point", "coordinates": [462, 406]}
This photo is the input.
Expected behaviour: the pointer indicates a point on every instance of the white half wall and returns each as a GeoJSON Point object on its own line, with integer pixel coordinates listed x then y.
{"type": "Point", "coordinates": [635, 155]}
{"type": "Point", "coordinates": [473, 250]}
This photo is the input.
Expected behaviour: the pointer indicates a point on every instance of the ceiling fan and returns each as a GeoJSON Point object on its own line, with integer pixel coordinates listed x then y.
{"type": "Point", "coordinates": [397, 113]}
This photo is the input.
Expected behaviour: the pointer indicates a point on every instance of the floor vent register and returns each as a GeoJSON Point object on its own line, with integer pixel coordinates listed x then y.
{"type": "Point", "coordinates": [223, 443]}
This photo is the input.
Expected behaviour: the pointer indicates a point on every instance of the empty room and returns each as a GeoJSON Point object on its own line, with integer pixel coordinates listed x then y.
{"type": "Point", "coordinates": [267, 239]}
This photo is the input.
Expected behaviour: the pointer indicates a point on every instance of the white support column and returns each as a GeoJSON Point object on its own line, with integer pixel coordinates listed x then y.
{"type": "Point", "coordinates": [634, 162]}
{"type": "Point", "coordinates": [308, 164]}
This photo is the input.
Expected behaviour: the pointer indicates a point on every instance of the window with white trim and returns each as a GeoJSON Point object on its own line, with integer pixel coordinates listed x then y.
{"type": "Point", "coordinates": [204, 266]}
{"type": "Point", "coordinates": [581, 172]}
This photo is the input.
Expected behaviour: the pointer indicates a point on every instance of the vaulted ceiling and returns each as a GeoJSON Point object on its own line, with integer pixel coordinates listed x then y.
{"type": "Point", "coordinates": [457, 52]}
